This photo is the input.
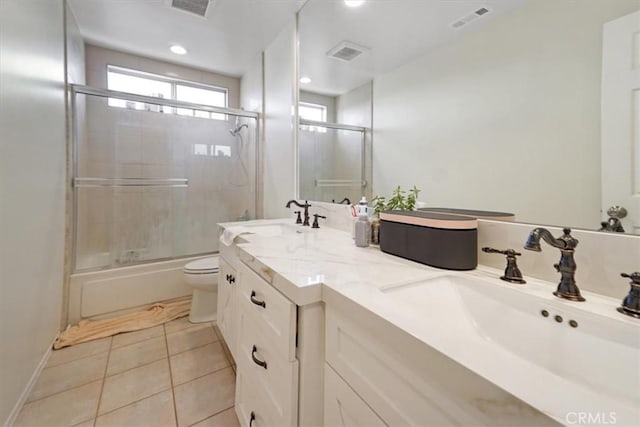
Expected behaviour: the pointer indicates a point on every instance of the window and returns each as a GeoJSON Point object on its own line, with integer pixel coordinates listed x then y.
{"type": "Point", "coordinates": [315, 112]}
{"type": "Point", "coordinates": [141, 83]}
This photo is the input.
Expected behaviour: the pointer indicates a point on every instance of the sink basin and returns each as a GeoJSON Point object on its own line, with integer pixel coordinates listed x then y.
{"type": "Point", "coordinates": [274, 230]}
{"type": "Point", "coordinates": [601, 353]}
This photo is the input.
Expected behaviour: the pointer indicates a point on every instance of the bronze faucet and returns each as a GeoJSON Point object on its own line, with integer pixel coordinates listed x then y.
{"type": "Point", "coordinates": [567, 288]}
{"type": "Point", "coordinates": [344, 201]}
{"type": "Point", "coordinates": [631, 303]}
{"type": "Point", "coordinates": [512, 273]}
{"type": "Point", "coordinates": [306, 207]}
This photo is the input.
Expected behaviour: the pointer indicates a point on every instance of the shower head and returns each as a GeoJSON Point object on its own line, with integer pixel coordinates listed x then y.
{"type": "Point", "coordinates": [237, 129]}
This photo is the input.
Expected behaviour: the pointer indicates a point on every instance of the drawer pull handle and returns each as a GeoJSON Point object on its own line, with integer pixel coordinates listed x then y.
{"type": "Point", "coordinates": [256, 360]}
{"type": "Point", "coordinates": [252, 419]}
{"type": "Point", "coordinates": [255, 301]}
{"type": "Point", "coordinates": [232, 278]}
{"type": "Point", "coordinates": [228, 277]}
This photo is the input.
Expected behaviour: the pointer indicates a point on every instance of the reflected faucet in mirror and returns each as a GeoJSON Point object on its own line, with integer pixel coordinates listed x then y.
{"type": "Point", "coordinates": [616, 213]}
{"type": "Point", "coordinates": [344, 201]}
{"type": "Point", "coordinates": [567, 288]}
{"type": "Point", "coordinates": [305, 206]}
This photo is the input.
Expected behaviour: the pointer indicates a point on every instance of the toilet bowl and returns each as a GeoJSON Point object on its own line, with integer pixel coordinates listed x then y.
{"type": "Point", "coordinates": [202, 275]}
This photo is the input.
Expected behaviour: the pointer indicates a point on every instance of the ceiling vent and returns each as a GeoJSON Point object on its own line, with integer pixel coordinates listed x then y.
{"type": "Point", "coordinates": [470, 17]}
{"type": "Point", "coordinates": [346, 51]}
{"type": "Point", "coordinates": [196, 7]}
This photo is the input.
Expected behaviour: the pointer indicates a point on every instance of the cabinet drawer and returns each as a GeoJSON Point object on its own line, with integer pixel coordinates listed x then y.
{"type": "Point", "coordinates": [275, 374]}
{"type": "Point", "coordinates": [343, 407]}
{"type": "Point", "coordinates": [251, 403]}
{"type": "Point", "coordinates": [271, 309]}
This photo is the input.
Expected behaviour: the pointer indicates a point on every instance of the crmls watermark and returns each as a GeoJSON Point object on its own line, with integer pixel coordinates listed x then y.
{"type": "Point", "coordinates": [591, 418]}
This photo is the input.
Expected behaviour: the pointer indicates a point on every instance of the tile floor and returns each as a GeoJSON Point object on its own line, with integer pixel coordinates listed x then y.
{"type": "Point", "coordinates": [176, 374]}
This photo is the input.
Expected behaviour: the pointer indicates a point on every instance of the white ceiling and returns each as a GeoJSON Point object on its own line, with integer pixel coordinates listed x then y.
{"type": "Point", "coordinates": [235, 31]}
{"type": "Point", "coordinates": [395, 31]}
{"type": "Point", "coordinates": [226, 41]}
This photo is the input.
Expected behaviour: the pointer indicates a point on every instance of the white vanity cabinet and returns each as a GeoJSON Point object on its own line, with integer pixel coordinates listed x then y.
{"type": "Point", "coordinates": [376, 373]}
{"type": "Point", "coordinates": [267, 367]}
{"type": "Point", "coordinates": [228, 280]}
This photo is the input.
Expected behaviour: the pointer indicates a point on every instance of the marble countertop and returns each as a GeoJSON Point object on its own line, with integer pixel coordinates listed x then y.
{"type": "Point", "coordinates": [310, 265]}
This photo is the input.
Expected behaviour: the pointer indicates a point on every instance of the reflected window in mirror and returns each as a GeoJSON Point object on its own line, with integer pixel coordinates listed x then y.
{"type": "Point", "coordinates": [315, 112]}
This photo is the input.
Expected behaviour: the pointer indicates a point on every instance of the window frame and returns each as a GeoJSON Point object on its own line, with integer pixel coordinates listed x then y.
{"type": "Point", "coordinates": [174, 82]}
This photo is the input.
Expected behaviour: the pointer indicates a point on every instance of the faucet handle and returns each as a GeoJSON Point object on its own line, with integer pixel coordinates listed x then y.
{"type": "Point", "coordinates": [299, 219]}
{"type": "Point", "coordinates": [512, 273]}
{"type": "Point", "coordinates": [631, 303]}
{"type": "Point", "coordinates": [635, 277]}
{"type": "Point", "coordinates": [507, 252]}
{"type": "Point", "coordinates": [315, 220]}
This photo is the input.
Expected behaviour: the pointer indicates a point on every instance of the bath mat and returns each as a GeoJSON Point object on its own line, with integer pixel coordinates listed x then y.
{"type": "Point", "coordinates": [87, 330]}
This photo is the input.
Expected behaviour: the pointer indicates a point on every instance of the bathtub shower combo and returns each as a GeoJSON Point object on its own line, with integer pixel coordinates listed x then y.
{"type": "Point", "coordinates": [151, 179]}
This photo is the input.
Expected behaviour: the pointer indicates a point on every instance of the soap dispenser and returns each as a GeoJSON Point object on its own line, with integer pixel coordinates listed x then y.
{"type": "Point", "coordinates": [362, 226]}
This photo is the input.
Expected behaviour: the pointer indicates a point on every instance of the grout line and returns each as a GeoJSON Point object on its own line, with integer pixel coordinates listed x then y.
{"type": "Point", "coordinates": [202, 376]}
{"type": "Point", "coordinates": [173, 394]}
{"type": "Point", "coordinates": [133, 402]}
{"type": "Point", "coordinates": [136, 342]}
{"type": "Point", "coordinates": [213, 415]}
{"type": "Point", "coordinates": [104, 376]}
{"type": "Point", "coordinates": [192, 348]}
{"type": "Point", "coordinates": [75, 360]}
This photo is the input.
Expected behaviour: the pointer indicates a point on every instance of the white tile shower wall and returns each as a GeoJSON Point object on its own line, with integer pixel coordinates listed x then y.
{"type": "Point", "coordinates": [600, 257]}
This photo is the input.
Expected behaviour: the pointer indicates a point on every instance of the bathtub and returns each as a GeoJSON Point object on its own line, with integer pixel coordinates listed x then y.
{"type": "Point", "coordinates": [106, 293]}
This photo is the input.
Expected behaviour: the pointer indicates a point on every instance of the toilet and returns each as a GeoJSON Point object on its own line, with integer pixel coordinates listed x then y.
{"type": "Point", "coordinates": [202, 275]}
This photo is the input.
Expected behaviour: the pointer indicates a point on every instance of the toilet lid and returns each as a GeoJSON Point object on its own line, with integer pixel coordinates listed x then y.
{"type": "Point", "coordinates": [202, 266]}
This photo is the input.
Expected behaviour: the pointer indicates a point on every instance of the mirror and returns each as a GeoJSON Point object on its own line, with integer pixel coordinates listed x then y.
{"type": "Point", "coordinates": [492, 106]}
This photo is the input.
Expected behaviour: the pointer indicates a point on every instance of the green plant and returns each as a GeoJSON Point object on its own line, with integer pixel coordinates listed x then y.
{"type": "Point", "coordinates": [399, 200]}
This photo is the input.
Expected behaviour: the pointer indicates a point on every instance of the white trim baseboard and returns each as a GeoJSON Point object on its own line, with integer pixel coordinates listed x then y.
{"type": "Point", "coordinates": [32, 381]}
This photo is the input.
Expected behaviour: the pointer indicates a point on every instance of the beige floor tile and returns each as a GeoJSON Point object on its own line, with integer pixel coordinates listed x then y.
{"type": "Point", "coordinates": [63, 409]}
{"type": "Point", "coordinates": [154, 411]}
{"type": "Point", "coordinates": [192, 364]}
{"type": "Point", "coordinates": [137, 336]}
{"type": "Point", "coordinates": [206, 396]}
{"type": "Point", "coordinates": [226, 418]}
{"type": "Point", "coordinates": [190, 338]}
{"type": "Point", "coordinates": [69, 375]}
{"type": "Point", "coordinates": [88, 423]}
{"type": "Point", "coordinates": [138, 354]}
{"type": "Point", "coordinates": [179, 324]}
{"type": "Point", "coordinates": [134, 384]}
{"type": "Point", "coordinates": [78, 351]}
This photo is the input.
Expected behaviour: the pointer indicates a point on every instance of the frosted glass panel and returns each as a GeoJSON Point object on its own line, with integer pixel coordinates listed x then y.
{"type": "Point", "coordinates": [331, 164]}
{"type": "Point", "coordinates": [137, 222]}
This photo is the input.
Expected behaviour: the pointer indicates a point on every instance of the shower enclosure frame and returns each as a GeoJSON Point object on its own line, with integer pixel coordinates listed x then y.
{"type": "Point", "coordinates": [362, 183]}
{"type": "Point", "coordinates": [87, 182]}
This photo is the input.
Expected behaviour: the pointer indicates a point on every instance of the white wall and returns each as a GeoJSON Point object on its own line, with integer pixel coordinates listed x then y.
{"type": "Point", "coordinates": [504, 118]}
{"type": "Point", "coordinates": [251, 99]}
{"type": "Point", "coordinates": [32, 188]}
{"type": "Point", "coordinates": [279, 129]}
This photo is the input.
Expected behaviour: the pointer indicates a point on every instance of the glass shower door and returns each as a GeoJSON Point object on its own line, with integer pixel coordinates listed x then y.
{"type": "Point", "coordinates": [152, 184]}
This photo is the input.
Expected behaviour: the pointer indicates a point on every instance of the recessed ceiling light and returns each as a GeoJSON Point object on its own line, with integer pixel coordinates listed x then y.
{"type": "Point", "coordinates": [353, 3]}
{"type": "Point", "coordinates": [305, 80]}
{"type": "Point", "coordinates": [177, 49]}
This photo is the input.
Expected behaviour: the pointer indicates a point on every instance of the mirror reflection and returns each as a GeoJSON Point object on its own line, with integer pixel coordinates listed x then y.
{"type": "Point", "coordinates": [514, 105]}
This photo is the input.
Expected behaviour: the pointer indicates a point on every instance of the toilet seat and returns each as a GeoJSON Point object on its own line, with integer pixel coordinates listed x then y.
{"type": "Point", "coordinates": [202, 266]}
